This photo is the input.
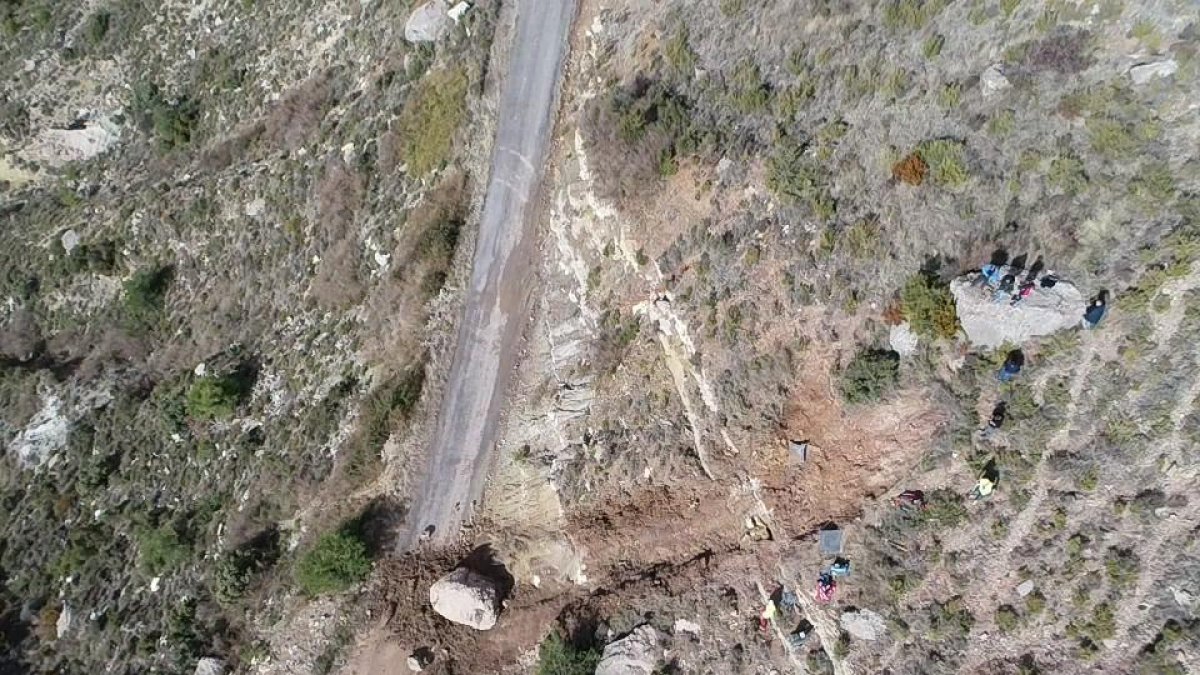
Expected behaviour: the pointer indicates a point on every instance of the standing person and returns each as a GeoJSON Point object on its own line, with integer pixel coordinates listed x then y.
{"type": "Point", "coordinates": [1096, 310]}
{"type": "Point", "coordinates": [1024, 291]}
{"type": "Point", "coordinates": [1012, 366]}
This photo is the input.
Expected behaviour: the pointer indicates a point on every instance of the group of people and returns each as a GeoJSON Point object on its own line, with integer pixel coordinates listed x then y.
{"type": "Point", "coordinates": [1003, 285]}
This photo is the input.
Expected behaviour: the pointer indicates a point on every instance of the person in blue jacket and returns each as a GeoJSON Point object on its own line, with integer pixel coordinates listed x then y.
{"type": "Point", "coordinates": [1096, 310]}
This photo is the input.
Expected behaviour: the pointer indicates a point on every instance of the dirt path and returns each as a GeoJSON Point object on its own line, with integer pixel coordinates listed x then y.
{"type": "Point", "coordinates": [498, 297]}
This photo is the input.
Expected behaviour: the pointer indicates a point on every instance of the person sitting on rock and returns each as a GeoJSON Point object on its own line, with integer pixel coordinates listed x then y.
{"type": "Point", "coordinates": [1024, 291]}
{"type": "Point", "coordinates": [1012, 366]}
{"type": "Point", "coordinates": [1005, 288]}
{"type": "Point", "coordinates": [987, 276]}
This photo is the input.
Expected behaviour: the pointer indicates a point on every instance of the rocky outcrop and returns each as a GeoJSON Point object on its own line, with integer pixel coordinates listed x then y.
{"type": "Point", "coordinates": [991, 322]}
{"type": "Point", "coordinates": [427, 23]}
{"type": "Point", "coordinates": [864, 624]}
{"type": "Point", "coordinates": [210, 666]}
{"type": "Point", "coordinates": [635, 654]}
{"type": "Point", "coordinates": [466, 597]}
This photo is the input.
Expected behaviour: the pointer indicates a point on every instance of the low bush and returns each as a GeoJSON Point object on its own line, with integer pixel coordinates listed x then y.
{"type": "Point", "coordinates": [431, 117]}
{"type": "Point", "coordinates": [947, 164]}
{"type": "Point", "coordinates": [1007, 618]}
{"type": "Point", "coordinates": [335, 563]}
{"type": "Point", "coordinates": [160, 549]}
{"type": "Point", "coordinates": [912, 170]}
{"type": "Point", "coordinates": [145, 291]}
{"type": "Point", "coordinates": [869, 376]}
{"type": "Point", "coordinates": [559, 657]}
{"type": "Point", "coordinates": [171, 120]}
{"type": "Point", "coordinates": [213, 397]}
{"type": "Point", "coordinates": [928, 306]}
{"type": "Point", "coordinates": [795, 176]}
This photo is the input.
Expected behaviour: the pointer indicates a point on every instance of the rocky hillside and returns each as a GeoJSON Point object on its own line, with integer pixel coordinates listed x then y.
{"type": "Point", "coordinates": [232, 239]}
{"type": "Point", "coordinates": [228, 230]}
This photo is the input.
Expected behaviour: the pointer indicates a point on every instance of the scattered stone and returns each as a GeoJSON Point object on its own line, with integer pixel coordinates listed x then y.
{"type": "Point", "coordinates": [635, 654]}
{"type": "Point", "coordinates": [45, 434]}
{"type": "Point", "coordinates": [420, 659]}
{"type": "Point", "coordinates": [864, 624]}
{"type": "Point", "coordinates": [427, 23]}
{"type": "Point", "coordinates": [70, 241]}
{"type": "Point", "coordinates": [991, 324]}
{"type": "Point", "coordinates": [255, 207]}
{"type": "Point", "coordinates": [1025, 588]}
{"type": "Point", "coordinates": [466, 597]}
{"type": "Point", "coordinates": [63, 625]}
{"type": "Point", "coordinates": [154, 584]}
{"type": "Point", "coordinates": [903, 340]}
{"type": "Point", "coordinates": [685, 626]}
{"type": "Point", "coordinates": [456, 12]}
{"type": "Point", "coordinates": [993, 81]}
{"type": "Point", "coordinates": [414, 665]}
{"type": "Point", "coordinates": [84, 140]}
{"type": "Point", "coordinates": [1149, 71]}
{"type": "Point", "coordinates": [210, 666]}
{"type": "Point", "coordinates": [1184, 599]}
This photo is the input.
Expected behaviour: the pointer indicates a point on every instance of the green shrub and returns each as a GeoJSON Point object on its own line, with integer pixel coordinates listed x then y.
{"type": "Point", "coordinates": [558, 657]}
{"type": "Point", "coordinates": [949, 97]}
{"type": "Point", "coordinates": [431, 117]}
{"type": "Point", "coordinates": [145, 291]}
{"type": "Point", "coordinates": [795, 176]}
{"type": "Point", "coordinates": [1122, 567]}
{"type": "Point", "coordinates": [1111, 138]}
{"type": "Point", "coordinates": [747, 89]}
{"type": "Point", "coordinates": [869, 376]}
{"type": "Point", "coordinates": [337, 561]}
{"type": "Point", "coordinates": [1067, 174]}
{"type": "Point", "coordinates": [933, 46]}
{"type": "Point", "coordinates": [1035, 602]}
{"type": "Point", "coordinates": [679, 53]}
{"type": "Point", "coordinates": [1007, 618]}
{"type": "Point", "coordinates": [160, 549]}
{"type": "Point", "coordinates": [213, 397]}
{"type": "Point", "coordinates": [172, 121]}
{"type": "Point", "coordinates": [946, 162]}
{"type": "Point", "coordinates": [950, 619]}
{"type": "Point", "coordinates": [97, 27]}
{"type": "Point", "coordinates": [1002, 124]}
{"type": "Point", "coordinates": [1091, 634]}
{"type": "Point", "coordinates": [1154, 184]}
{"type": "Point", "coordinates": [911, 14]}
{"type": "Point", "coordinates": [943, 508]}
{"type": "Point", "coordinates": [928, 306]}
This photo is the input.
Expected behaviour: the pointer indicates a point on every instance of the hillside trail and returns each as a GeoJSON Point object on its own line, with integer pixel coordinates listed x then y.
{"type": "Point", "coordinates": [1096, 346]}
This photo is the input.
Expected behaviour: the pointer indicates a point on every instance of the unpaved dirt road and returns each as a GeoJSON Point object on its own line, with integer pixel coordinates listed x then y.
{"type": "Point", "coordinates": [497, 300]}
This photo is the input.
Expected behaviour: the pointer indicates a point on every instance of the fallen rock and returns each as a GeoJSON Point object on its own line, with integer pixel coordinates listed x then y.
{"type": "Point", "coordinates": [466, 597]}
{"type": "Point", "coordinates": [634, 654]}
{"type": "Point", "coordinates": [69, 241]}
{"type": "Point", "coordinates": [993, 81]}
{"type": "Point", "coordinates": [992, 324]}
{"type": "Point", "coordinates": [685, 626]}
{"type": "Point", "coordinates": [1149, 71]}
{"type": "Point", "coordinates": [456, 12]}
{"type": "Point", "coordinates": [210, 666]}
{"type": "Point", "coordinates": [427, 23]}
{"type": "Point", "coordinates": [864, 624]}
{"type": "Point", "coordinates": [63, 625]}
{"type": "Point", "coordinates": [84, 140]}
{"type": "Point", "coordinates": [1025, 588]}
{"type": "Point", "coordinates": [903, 340]}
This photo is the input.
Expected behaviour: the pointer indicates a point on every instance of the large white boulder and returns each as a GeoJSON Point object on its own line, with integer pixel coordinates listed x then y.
{"type": "Point", "coordinates": [427, 23]}
{"type": "Point", "coordinates": [864, 624]}
{"type": "Point", "coordinates": [466, 597]}
{"type": "Point", "coordinates": [635, 654]}
{"type": "Point", "coordinates": [991, 324]}
{"type": "Point", "coordinates": [210, 666]}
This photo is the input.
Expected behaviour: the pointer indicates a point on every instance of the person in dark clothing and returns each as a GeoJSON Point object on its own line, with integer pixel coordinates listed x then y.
{"type": "Point", "coordinates": [1012, 366]}
{"type": "Point", "coordinates": [997, 419]}
{"type": "Point", "coordinates": [1096, 310]}
{"type": "Point", "coordinates": [1005, 288]}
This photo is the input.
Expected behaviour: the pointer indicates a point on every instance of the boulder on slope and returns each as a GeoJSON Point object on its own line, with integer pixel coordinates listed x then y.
{"type": "Point", "coordinates": [635, 654]}
{"type": "Point", "coordinates": [466, 597]}
{"type": "Point", "coordinates": [991, 324]}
